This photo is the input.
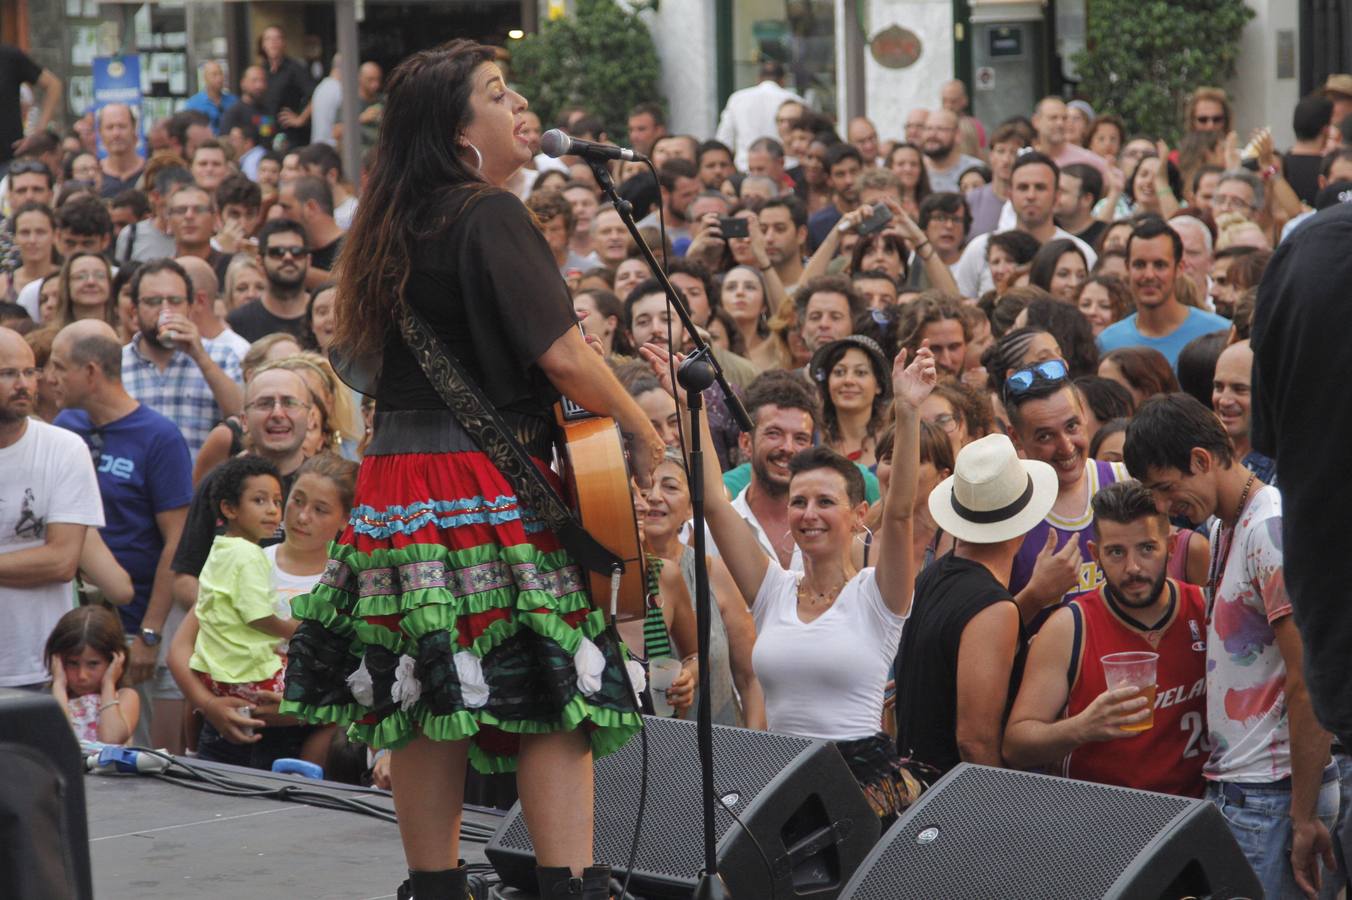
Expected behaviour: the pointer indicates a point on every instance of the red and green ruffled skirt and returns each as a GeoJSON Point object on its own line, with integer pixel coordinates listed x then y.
{"type": "Point", "coordinates": [447, 610]}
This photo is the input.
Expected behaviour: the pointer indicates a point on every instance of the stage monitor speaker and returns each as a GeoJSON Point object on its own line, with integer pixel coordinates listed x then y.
{"type": "Point", "coordinates": [44, 838]}
{"type": "Point", "coordinates": [795, 797]}
{"type": "Point", "coordinates": [981, 832]}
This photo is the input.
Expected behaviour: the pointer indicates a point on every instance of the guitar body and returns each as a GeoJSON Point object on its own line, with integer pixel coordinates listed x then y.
{"type": "Point", "coordinates": [595, 474]}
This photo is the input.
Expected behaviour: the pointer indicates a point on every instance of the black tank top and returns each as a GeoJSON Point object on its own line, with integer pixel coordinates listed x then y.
{"type": "Point", "coordinates": [948, 595]}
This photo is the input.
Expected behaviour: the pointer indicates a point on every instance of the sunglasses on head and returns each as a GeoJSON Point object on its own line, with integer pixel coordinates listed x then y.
{"type": "Point", "coordinates": [1019, 383]}
{"type": "Point", "coordinates": [28, 167]}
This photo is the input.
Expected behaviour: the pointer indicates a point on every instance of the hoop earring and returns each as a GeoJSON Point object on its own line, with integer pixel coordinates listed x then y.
{"type": "Point", "coordinates": [477, 155]}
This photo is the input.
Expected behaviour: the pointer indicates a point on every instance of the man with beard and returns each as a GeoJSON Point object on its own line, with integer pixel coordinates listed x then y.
{"type": "Point", "coordinates": [48, 498]}
{"type": "Point", "coordinates": [1269, 771]}
{"type": "Point", "coordinates": [145, 479]}
{"type": "Point", "coordinates": [784, 220]}
{"type": "Point", "coordinates": [1047, 423]}
{"type": "Point", "coordinates": [843, 165]}
{"type": "Point", "coordinates": [250, 109]}
{"type": "Point", "coordinates": [168, 365]}
{"type": "Point", "coordinates": [784, 414]}
{"type": "Point", "coordinates": [286, 259]}
{"type": "Point", "coordinates": [1067, 716]}
{"type": "Point", "coordinates": [942, 159]}
{"type": "Point", "coordinates": [679, 184]}
{"type": "Point", "coordinates": [309, 201]}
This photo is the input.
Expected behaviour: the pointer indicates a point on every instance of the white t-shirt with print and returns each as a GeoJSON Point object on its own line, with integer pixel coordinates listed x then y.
{"type": "Point", "coordinates": [824, 678]}
{"type": "Point", "coordinates": [286, 587]}
{"type": "Point", "coordinates": [1246, 674]}
{"type": "Point", "coordinates": [48, 479]}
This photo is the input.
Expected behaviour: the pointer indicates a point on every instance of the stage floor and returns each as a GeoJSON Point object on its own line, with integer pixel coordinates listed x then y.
{"type": "Point", "coordinates": [150, 839]}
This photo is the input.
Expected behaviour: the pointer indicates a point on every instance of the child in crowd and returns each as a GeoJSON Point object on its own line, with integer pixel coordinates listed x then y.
{"type": "Point", "coordinates": [86, 653]}
{"type": "Point", "coordinates": [236, 650]}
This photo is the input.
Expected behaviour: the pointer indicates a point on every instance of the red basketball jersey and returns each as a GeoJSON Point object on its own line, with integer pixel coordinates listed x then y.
{"type": "Point", "coordinates": [1168, 757]}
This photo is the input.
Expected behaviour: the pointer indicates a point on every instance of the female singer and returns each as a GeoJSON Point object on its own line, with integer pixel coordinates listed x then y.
{"type": "Point", "coordinates": [451, 625]}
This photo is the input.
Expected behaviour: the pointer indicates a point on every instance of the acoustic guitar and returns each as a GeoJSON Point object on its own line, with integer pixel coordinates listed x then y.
{"type": "Point", "coordinates": [595, 470]}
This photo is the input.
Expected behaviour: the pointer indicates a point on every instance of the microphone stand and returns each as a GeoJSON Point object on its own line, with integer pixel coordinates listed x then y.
{"type": "Point", "coordinates": [697, 373]}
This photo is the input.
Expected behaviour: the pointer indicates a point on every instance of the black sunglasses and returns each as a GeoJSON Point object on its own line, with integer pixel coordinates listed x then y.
{"type": "Point", "coordinates": [293, 252]}
{"type": "Point", "coordinates": [1019, 383]}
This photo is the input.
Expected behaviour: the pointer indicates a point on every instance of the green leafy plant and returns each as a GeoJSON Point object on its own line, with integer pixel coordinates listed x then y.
{"type": "Point", "coordinates": [1143, 58]}
{"type": "Point", "coordinates": [601, 57]}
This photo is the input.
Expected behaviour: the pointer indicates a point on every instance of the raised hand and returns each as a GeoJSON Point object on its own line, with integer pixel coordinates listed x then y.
{"type": "Point", "coordinates": [1055, 571]}
{"type": "Point", "coordinates": [113, 674]}
{"type": "Point", "coordinates": [911, 384]}
{"type": "Point", "coordinates": [661, 362]}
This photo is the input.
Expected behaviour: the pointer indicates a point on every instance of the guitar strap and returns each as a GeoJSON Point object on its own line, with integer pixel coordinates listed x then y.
{"type": "Point", "coordinates": [499, 443]}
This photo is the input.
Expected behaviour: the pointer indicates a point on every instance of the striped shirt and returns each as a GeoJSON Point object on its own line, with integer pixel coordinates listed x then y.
{"type": "Point", "coordinates": [180, 392]}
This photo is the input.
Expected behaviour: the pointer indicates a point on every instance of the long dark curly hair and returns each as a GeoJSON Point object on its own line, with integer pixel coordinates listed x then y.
{"type": "Point", "coordinates": [416, 169]}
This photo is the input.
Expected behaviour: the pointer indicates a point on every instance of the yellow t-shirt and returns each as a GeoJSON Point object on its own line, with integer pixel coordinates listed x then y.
{"type": "Point", "coordinates": [235, 589]}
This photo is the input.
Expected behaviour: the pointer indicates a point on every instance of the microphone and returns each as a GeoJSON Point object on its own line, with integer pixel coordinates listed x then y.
{"type": "Point", "coordinates": [555, 143]}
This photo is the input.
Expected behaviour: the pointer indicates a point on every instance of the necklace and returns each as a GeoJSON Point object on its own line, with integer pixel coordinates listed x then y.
{"type": "Point", "coordinates": [819, 598]}
{"type": "Point", "coordinates": [1221, 557]}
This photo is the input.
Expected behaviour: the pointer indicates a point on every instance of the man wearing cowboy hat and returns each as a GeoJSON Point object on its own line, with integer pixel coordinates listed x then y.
{"type": "Point", "coordinates": [1067, 716]}
{"type": "Point", "coordinates": [964, 646]}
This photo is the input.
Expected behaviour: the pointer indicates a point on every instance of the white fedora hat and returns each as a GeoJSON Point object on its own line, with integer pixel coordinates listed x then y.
{"type": "Point", "coordinates": [992, 495]}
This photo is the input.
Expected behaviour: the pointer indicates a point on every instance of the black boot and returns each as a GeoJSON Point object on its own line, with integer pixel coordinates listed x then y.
{"type": "Point", "coordinates": [448, 884]}
{"type": "Point", "coordinates": [558, 884]}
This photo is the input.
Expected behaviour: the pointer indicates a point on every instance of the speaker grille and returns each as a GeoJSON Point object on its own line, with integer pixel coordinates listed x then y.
{"type": "Point", "coordinates": [1000, 833]}
{"type": "Point", "coordinates": [672, 843]}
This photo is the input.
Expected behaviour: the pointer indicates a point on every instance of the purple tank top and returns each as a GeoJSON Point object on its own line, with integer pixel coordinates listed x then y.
{"type": "Point", "coordinates": [1079, 528]}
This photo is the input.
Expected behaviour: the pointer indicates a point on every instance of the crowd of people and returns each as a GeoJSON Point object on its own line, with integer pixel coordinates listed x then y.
{"type": "Point", "coordinates": [1043, 320]}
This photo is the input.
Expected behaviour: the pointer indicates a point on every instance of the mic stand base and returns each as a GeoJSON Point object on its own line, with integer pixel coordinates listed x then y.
{"type": "Point", "coordinates": [711, 887]}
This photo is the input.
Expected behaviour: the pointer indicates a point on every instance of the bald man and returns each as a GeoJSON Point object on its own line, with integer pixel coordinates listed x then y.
{"type": "Point", "coordinates": [49, 498]}
{"type": "Point", "coordinates": [1050, 123]}
{"type": "Point", "coordinates": [144, 475]}
{"type": "Point", "coordinates": [123, 164]}
{"type": "Point", "coordinates": [204, 309]}
{"type": "Point", "coordinates": [212, 98]}
{"type": "Point", "coordinates": [249, 109]}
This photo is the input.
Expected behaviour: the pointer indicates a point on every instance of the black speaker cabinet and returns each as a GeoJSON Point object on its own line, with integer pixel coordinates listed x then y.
{"type": "Point", "coordinates": [795, 796]}
{"type": "Point", "coordinates": [44, 838]}
{"type": "Point", "coordinates": [981, 832]}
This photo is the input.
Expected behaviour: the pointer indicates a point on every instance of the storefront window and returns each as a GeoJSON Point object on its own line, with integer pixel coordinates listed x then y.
{"type": "Point", "coordinates": [798, 33]}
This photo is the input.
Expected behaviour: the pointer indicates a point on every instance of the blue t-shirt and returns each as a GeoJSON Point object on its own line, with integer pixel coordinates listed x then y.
{"type": "Point", "coordinates": [1126, 334]}
{"type": "Point", "coordinates": [144, 469]}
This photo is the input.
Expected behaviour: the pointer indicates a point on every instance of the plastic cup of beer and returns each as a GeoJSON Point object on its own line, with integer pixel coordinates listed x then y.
{"type": "Point", "coordinates": [1136, 669]}
{"type": "Point", "coordinates": [662, 671]}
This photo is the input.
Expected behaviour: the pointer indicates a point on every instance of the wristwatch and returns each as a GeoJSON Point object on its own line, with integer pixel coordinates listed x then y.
{"type": "Point", "coordinates": [150, 637]}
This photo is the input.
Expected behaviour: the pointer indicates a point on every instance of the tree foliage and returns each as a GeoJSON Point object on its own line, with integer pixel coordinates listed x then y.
{"type": "Point", "coordinates": [1143, 57]}
{"type": "Point", "coordinates": [601, 57]}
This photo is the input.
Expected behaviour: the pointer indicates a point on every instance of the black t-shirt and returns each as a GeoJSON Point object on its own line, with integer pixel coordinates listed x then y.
{"type": "Point", "coordinates": [253, 321]}
{"type": "Point", "coordinates": [1300, 350]}
{"type": "Point", "coordinates": [110, 185]}
{"type": "Point", "coordinates": [948, 595]}
{"type": "Point", "coordinates": [204, 523]}
{"type": "Point", "coordinates": [1091, 234]}
{"type": "Point", "coordinates": [324, 257]}
{"type": "Point", "coordinates": [492, 292]}
{"type": "Point", "coordinates": [1301, 171]}
{"type": "Point", "coordinates": [288, 88]}
{"type": "Point", "coordinates": [16, 68]}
